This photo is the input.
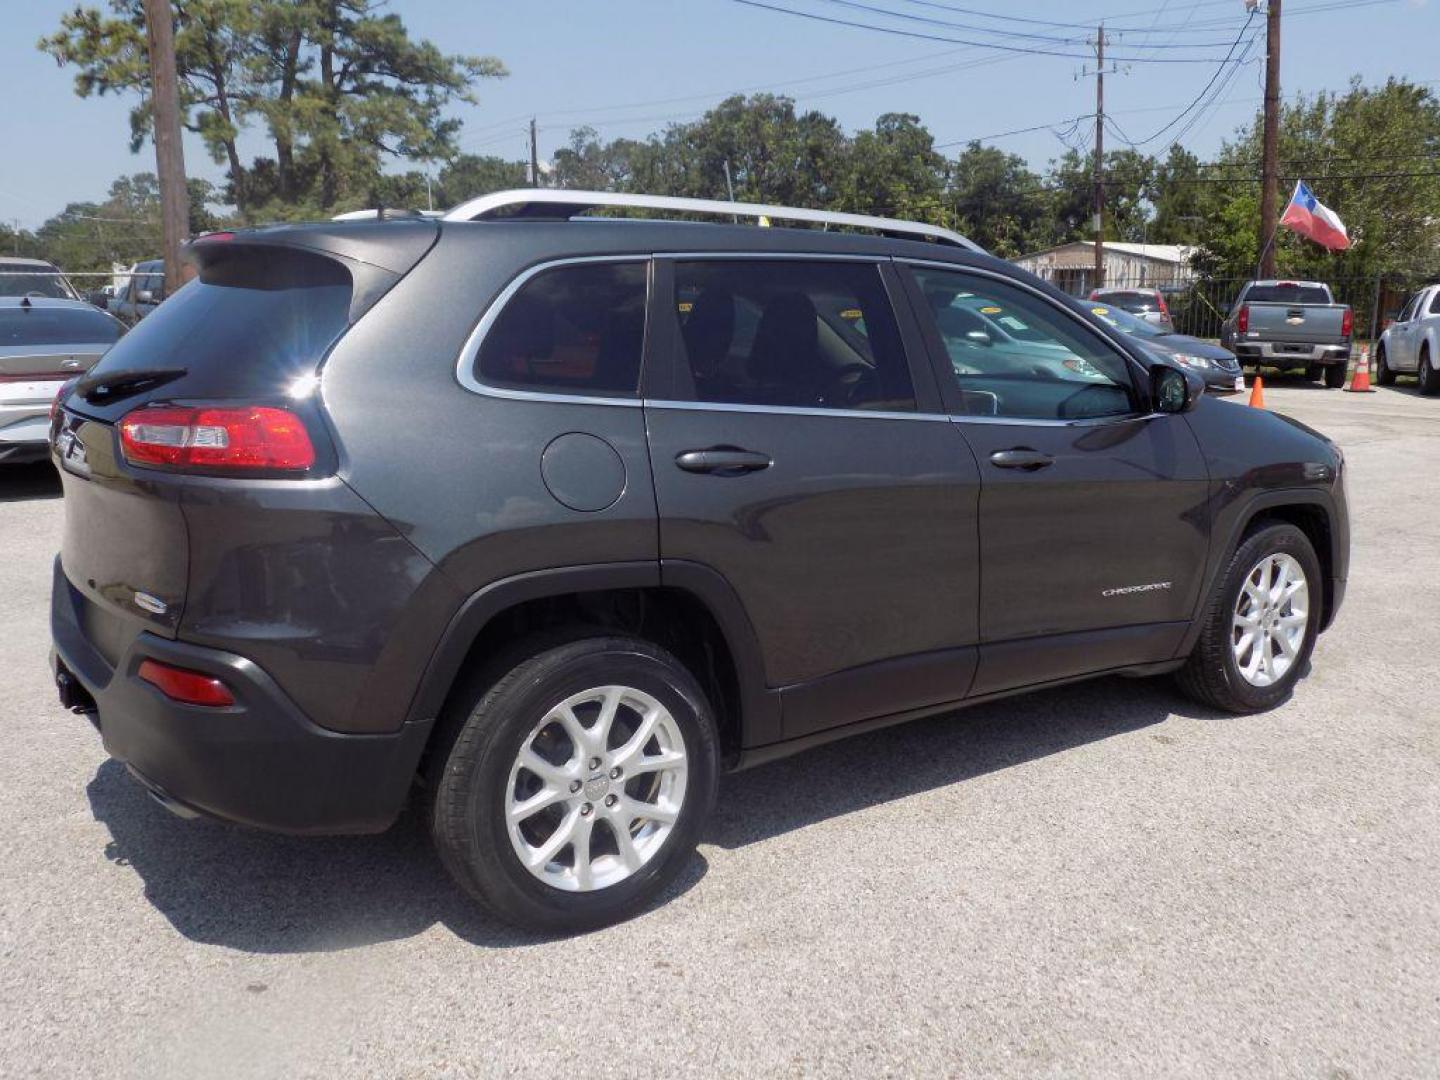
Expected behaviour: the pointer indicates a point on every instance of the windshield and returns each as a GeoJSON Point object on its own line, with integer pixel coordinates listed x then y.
{"type": "Point", "coordinates": [1125, 322]}
{"type": "Point", "coordinates": [1287, 292]}
{"type": "Point", "coordinates": [21, 326]}
{"type": "Point", "coordinates": [34, 281]}
{"type": "Point", "coordinates": [1131, 300]}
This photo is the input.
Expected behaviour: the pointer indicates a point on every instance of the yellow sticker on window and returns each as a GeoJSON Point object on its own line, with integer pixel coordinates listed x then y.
{"type": "Point", "coordinates": [991, 310]}
{"type": "Point", "coordinates": [851, 313]}
{"type": "Point", "coordinates": [684, 306]}
{"type": "Point", "coordinates": [1100, 311]}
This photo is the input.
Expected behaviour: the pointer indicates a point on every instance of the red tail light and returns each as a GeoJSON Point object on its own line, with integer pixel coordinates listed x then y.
{"type": "Point", "coordinates": [1164, 309]}
{"type": "Point", "coordinates": [1242, 321]}
{"type": "Point", "coordinates": [217, 440]}
{"type": "Point", "coordinates": [1094, 294]}
{"type": "Point", "coordinates": [184, 685]}
{"type": "Point", "coordinates": [1347, 322]}
{"type": "Point", "coordinates": [65, 388]}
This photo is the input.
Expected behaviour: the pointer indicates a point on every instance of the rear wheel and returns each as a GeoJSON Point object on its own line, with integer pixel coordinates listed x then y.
{"type": "Point", "coordinates": [1315, 372]}
{"type": "Point", "coordinates": [1428, 375]}
{"type": "Point", "coordinates": [577, 787]}
{"type": "Point", "coordinates": [1383, 375]}
{"type": "Point", "coordinates": [1260, 624]}
{"type": "Point", "coordinates": [1334, 376]}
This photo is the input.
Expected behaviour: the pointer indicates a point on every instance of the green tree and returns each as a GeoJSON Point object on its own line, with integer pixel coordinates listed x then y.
{"type": "Point", "coordinates": [998, 202]}
{"type": "Point", "coordinates": [339, 86]}
{"type": "Point", "coordinates": [470, 175]}
{"type": "Point", "coordinates": [895, 171]}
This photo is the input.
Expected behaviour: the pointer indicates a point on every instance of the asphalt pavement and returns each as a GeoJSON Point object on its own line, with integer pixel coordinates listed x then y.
{"type": "Point", "coordinates": [1103, 880]}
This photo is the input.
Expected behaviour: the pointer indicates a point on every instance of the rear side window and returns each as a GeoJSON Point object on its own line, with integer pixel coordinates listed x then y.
{"type": "Point", "coordinates": [52, 326]}
{"type": "Point", "coordinates": [575, 329]}
{"type": "Point", "coordinates": [251, 324]}
{"type": "Point", "coordinates": [791, 334]}
{"type": "Point", "coordinates": [1435, 303]}
{"type": "Point", "coordinates": [1287, 294]}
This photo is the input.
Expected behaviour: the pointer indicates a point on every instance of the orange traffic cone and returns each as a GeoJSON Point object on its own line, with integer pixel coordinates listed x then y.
{"type": "Point", "coordinates": [1360, 378]}
{"type": "Point", "coordinates": [1257, 393]}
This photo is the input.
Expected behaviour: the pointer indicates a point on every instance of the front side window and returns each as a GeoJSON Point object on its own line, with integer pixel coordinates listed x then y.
{"type": "Point", "coordinates": [576, 329]}
{"type": "Point", "coordinates": [1011, 353]}
{"type": "Point", "coordinates": [818, 335]}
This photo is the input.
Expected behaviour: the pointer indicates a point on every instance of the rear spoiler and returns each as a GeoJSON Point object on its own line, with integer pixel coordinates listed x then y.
{"type": "Point", "coordinates": [377, 254]}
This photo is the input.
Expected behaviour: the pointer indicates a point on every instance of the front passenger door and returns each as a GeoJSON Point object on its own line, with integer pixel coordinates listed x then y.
{"type": "Point", "coordinates": [1093, 534]}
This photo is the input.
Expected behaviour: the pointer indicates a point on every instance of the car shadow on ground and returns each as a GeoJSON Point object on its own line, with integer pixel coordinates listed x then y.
{"type": "Point", "coordinates": [31, 480]}
{"type": "Point", "coordinates": [263, 893]}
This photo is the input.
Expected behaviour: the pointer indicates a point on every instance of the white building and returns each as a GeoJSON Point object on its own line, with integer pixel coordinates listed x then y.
{"type": "Point", "coordinates": [1071, 267]}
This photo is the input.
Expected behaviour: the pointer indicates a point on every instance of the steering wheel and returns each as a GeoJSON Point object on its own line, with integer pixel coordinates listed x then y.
{"type": "Point", "coordinates": [1089, 402]}
{"type": "Point", "coordinates": [846, 379]}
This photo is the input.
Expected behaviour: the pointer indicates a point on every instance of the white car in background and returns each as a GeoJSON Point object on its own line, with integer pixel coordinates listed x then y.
{"type": "Point", "coordinates": [1411, 344]}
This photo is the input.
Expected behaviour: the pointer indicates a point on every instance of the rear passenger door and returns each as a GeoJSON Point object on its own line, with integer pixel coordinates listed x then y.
{"type": "Point", "coordinates": [800, 451]}
{"type": "Point", "coordinates": [1092, 507]}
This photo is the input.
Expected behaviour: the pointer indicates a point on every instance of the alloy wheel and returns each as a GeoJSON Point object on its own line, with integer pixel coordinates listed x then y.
{"type": "Point", "coordinates": [1270, 618]}
{"type": "Point", "coordinates": [596, 788]}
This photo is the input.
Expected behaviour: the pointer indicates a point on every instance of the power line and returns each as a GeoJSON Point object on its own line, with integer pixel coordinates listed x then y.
{"type": "Point", "coordinates": [1049, 38]}
{"type": "Point", "coordinates": [963, 41]}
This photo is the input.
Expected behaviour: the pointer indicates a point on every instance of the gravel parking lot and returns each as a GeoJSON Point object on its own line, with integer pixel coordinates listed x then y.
{"type": "Point", "coordinates": [1101, 880]}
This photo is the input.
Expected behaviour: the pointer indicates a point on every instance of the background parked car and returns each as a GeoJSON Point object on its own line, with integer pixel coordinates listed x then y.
{"type": "Point", "coordinates": [1411, 344]}
{"type": "Point", "coordinates": [1213, 363]}
{"type": "Point", "coordinates": [34, 277]}
{"type": "Point", "coordinates": [1291, 324]}
{"type": "Point", "coordinates": [1146, 304]}
{"type": "Point", "coordinates": [143, 291]}
{"type": "Point", "coordinates": [43, 342]}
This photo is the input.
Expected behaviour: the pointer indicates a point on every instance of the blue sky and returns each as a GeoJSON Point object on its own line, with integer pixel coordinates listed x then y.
{"type": "Point", "coordinates": [629, 66]}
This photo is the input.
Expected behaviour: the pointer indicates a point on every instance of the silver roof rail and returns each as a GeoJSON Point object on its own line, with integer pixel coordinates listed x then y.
{"type": "Point", "coordinates": [561, 203]}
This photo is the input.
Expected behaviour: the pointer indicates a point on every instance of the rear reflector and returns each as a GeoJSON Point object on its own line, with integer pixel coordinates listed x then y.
{"type": "Point", "coordinates": [255, 437]}
{"type": "Point", "coordinates": [183, 685]}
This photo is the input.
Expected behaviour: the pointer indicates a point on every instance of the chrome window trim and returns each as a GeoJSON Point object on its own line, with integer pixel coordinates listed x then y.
{"type": "Point", "coordinates": [1106, 333]}
{"type": "Point", "coordinates": [790, 410]}
{"type": "Point", "coordinates": [470, 352]}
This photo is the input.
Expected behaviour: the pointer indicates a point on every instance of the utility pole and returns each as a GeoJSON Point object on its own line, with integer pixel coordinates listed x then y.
{"type": "Point", "coordinates": [1099, 281]}
{"type": "Point", "coordinates": [534, 157]}
{"type": "Point", "coordinates": [1270, 153]}
{"type": "Point", "coordinates": [169, 153]}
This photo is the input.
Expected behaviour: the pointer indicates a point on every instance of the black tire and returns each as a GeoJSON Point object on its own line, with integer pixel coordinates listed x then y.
{"type": "Point", "coordinates": [1211, 675]}
{"type": "Point", "coordinates": [1315, 372]}
{"type": "Point", "coordinates": [468, 811]}
{"type": "Point", "coordinates": [1383, 375]}
{"type": "Point", "coordinates": [1427, 374]}
{"type": "Point", "coordinates": [1334, 376]}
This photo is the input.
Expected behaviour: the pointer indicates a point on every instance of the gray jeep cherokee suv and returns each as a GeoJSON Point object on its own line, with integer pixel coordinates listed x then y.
{"type": "Point", "coordinates": [549, 519]}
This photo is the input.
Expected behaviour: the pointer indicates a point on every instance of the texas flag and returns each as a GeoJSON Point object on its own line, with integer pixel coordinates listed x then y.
{"type": "Point", "coordinates": [1311, 218]}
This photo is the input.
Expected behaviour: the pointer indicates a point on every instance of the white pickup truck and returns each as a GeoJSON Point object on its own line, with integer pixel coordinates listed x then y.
{"type": "Point", "coordinates": [1411, 344]}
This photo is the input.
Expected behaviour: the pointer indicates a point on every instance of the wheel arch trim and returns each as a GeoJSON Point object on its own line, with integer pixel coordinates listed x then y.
{"type": "Point", "coordinates": [759, 707]}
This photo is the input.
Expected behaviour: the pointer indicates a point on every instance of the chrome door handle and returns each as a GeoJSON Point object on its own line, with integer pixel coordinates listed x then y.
{"type": "Point", "coordinates": [1021, 457]}
{"type": "Point", "coordinates": [723, 461]}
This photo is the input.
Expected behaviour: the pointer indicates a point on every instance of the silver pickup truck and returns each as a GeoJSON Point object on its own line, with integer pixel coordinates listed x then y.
{"type": "Point", "coordinates": [1290, 324]}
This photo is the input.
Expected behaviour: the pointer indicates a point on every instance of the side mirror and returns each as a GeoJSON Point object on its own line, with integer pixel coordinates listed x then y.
{"type": "Point", "coordinates": [978, 337]}
{"type": "Point", "coordinates": [145, 296]}
{"type": "Point", "coordinates": [1173, 390]}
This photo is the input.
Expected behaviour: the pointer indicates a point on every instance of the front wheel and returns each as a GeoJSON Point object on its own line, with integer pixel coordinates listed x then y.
{"type": "Point", "coordinates": [577, 787]}
{"type": "Point", "coordinates": [1260, 624]}
{"type": "Point", "coordinates": [1383, 373]}
{"type": "Point", "coordinates": [1334, 376]}
{"type": "Point", "coordinates": [1429, 376]}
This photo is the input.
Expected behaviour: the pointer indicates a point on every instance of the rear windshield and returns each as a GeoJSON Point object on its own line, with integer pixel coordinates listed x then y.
{"type": "Point", "coordinates": [36, 281]}
{"type": "Point", "coordinates": [1131, 301]}
{"type": "Point", "coordinates": [52, 326]}
{"type": "Point", "coordinates": [1287, 294]}
{"type": "Point", "coordinates": [250, 324]}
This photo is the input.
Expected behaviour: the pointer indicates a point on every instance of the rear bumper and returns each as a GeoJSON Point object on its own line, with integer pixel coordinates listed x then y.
{"type": "Point", "coordinates": [260, 762]}
{"type": "Point", "coordinates": [1310, 354]}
